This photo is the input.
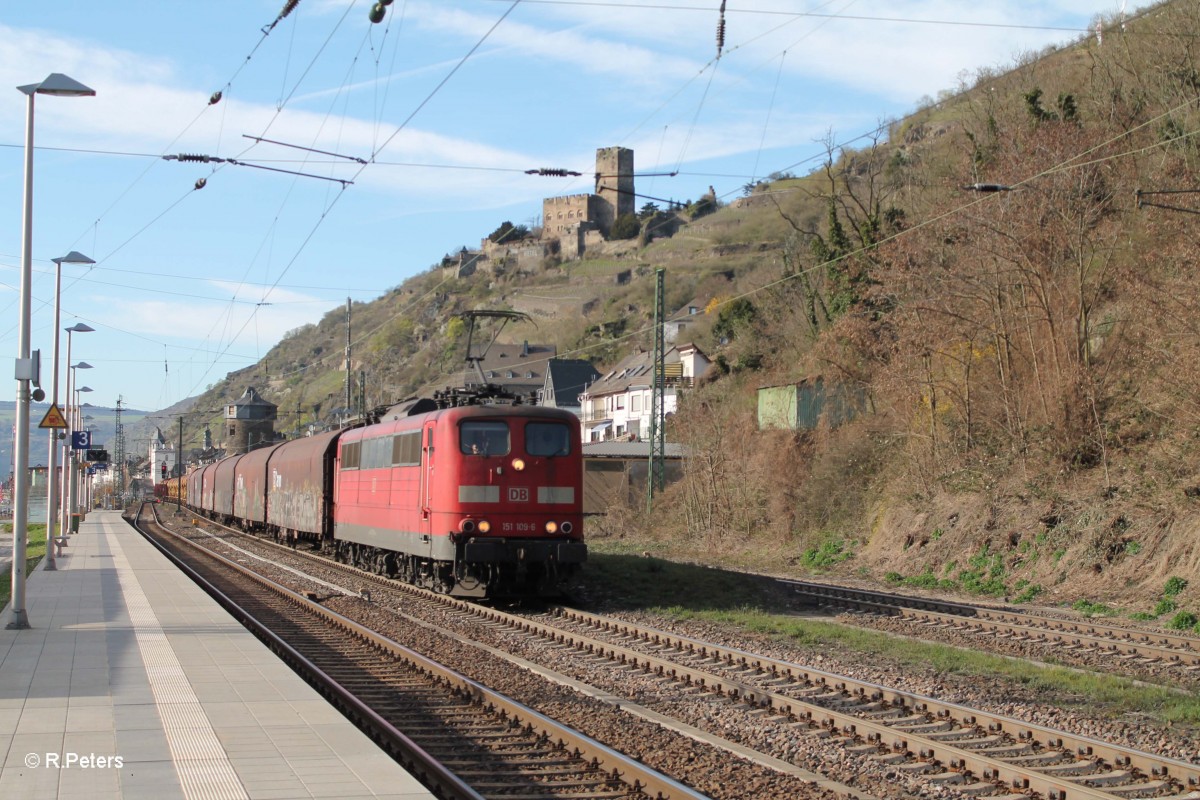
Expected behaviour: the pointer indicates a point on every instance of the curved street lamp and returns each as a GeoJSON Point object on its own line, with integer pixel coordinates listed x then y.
{"type": "Point", "coordinates": [61, 86]}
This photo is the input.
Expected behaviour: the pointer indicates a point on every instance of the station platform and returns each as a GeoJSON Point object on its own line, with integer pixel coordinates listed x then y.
{"type": "Point", "coordinates": [133, 683]}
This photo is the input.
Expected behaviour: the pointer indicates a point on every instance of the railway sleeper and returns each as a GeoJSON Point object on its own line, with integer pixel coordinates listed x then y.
{"type": "Point", "coordinates": [887, 714]}
{"type": "Point", "coordinates": [1037, 760]}
{"type": "Point", "coordinates": [946, 778]}
{"type": "Point", "coordinates": [1072, 769]}
{"type": "Point", "coordinates": [981, 789]}
{"type": "Point", "coordinates": [1150, 788]}
{"type": "Point", "coordinates": [1115, 777]}
{"type": "Point", "coordinates": [926, 727]}
{"type": "Point", "coordinates": [917, 767]}
{"type": "Point", "coordinates": [460, 765]}
{"type": "Point", "coordinates": [969, 738]}
{"type": "Point", "coordinates": [573, 781]}
{"type": "Point", "coordinates": [910, 719]}
{"type": "Point", "coordinates": [890, 758]}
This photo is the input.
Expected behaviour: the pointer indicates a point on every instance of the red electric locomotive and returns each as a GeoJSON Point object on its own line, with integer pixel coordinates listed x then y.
{"type": "Point", "coordinates": [474, 500]}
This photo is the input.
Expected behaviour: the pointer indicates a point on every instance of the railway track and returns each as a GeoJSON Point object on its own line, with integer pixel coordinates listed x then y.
{"type": "Point", "coordinates": [975, 752]}
{"type": "Point", "coordinates": [1071, 636]}
{"type": "Point", "coordinates": [895, 725]}
{"type": "Point", "coordinates": [462, 739]}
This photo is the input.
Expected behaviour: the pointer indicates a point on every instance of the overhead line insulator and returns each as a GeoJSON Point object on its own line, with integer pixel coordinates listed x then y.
{"type": "Point", "coordinates": [195, 158]}
{"type": "Point", "coordinates": [721, 29]}
{"type": "Point", "coordinates": [288, 8]}
{"type": "Point", "coordinates": [553, 172]}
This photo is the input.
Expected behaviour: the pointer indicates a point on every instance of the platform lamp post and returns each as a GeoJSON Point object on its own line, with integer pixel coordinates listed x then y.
{"type": "Point", "coordinates": [52, 504]}
{"type": "Point", "coordinates": [73, 495]}
{"type": "Point", "coordinates": [62, 86]}
{"type": "Point", "coordinates": [68, 451]}
{"type": "Point", "coordinates": [85, 501]}
{"type": "Point", "coordinates": [86, 423]}
{"type": "Point", "coordinates": [72, 426]}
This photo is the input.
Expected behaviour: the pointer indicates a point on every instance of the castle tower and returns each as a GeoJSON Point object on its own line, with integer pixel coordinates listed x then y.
{"type": "Point", "coordinates": [614, 185]}
{"type": "Point", "coordinates": [250, 421]}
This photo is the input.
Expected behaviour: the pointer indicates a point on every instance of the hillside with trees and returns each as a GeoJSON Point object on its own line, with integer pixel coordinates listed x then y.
{"type": "Point", "coordinates": [1001, 276]}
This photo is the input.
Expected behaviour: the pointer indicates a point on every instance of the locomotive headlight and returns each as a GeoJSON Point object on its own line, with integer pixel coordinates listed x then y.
{"type": "Point", "coordinates": [567, 527]}
{"type": "Point", "coordinates": [551, 527]}
{"type": "Point", "coordinates": [518, 464]}
{"type": "Point", "coordinates": [484, 526]}
{"type": "Point", "coordinates": [467, 526]}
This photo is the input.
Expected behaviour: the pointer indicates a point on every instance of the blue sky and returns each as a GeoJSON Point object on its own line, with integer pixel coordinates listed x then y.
{"type": "Point", "coordinates": [448, 102]}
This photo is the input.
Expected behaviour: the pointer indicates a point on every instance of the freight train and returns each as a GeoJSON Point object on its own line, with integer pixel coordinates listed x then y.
{"type": "Point", "coordinates": [470, 500]}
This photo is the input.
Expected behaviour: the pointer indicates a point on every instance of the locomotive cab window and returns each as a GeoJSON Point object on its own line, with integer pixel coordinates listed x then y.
{"type": "Point", "coordinates": [547, 439]}
{"type": "Point", "coordinates": [476, 437]}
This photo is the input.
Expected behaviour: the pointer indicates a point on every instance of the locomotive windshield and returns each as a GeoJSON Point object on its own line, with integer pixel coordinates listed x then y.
{"type": "Point", "coordinates": [477, 437]}
{"type": "Point", "coordinates": [547, 439]}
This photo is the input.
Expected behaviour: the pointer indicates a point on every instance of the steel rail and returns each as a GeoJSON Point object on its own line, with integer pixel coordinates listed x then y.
{"type": "Point", "coordinates": [629, 771]}
{"type": "Point", "coordinates": [408, 753]}
{"type": "Point", "coordinates": [929, 748]}
{"type": "Point", "coordinates": [1112, 640]}
{"type": "Point", "coordinates": [1148, 763]}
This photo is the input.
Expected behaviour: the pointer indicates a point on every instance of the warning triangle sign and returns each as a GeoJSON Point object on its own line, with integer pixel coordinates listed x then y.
{"type": "Point", "coordinates": [53, 419]}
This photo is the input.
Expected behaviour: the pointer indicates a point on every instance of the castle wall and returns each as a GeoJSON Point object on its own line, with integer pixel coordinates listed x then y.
{"type": "Point", "coordinates": [562, 214]}
{"type": "Point", "coordinates": [579, 221]}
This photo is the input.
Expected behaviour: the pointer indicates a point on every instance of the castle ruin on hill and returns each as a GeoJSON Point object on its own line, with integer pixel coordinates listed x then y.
{"type": "Point", "coordinates": [569, 220]}
{"type": "Point", "coordinates": [570, 224]}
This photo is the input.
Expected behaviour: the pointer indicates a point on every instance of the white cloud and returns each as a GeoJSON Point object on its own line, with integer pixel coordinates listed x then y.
{"type": "Point", "coordinates": [546, 48]}
{"type": "Point", "coordinates": [221, 325]}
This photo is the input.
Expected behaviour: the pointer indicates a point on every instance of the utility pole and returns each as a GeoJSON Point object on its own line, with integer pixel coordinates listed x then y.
{"type": "Point", "coordinates": [347, 403]}
{"type": "Point", "coordinates": [655, 477]}
{"type": "Point", "coordinates": [119, 455]}
{"type": "Point", "coordinates": [362, 394]}
{"type": "Point", "coordinates": [179, 468]}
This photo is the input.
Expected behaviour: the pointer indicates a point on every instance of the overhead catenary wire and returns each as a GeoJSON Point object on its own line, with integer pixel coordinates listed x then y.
{"type": "Point", "coordinates": [767, 122]}
{"type": "Point", "coordinates": [853, 18]}
{"type": "Point", "coordinates": [412, 115]}
{"type": "Point", "coordinates": [324, 214]}
{"type": "Point", "coordinates": [1074, 162]}
{"type": "Point", "coordinates": [381, 163]}
{"type": "Point", "coordinates": [214, 98]}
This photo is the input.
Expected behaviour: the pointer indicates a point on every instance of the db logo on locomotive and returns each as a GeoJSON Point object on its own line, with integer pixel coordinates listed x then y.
{"type": "Point", "coordinates": [518, 494]}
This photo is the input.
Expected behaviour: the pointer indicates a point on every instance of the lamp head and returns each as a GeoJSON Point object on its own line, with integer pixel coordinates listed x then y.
{"type": "Point", "coordinates": [81, 365]}
{"type": "Point", "coordinates": [59, 85]}
{"type": "Point", "coordinates": [73, 257]}
{"type": "Point", "coordinates": [80, 327]}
